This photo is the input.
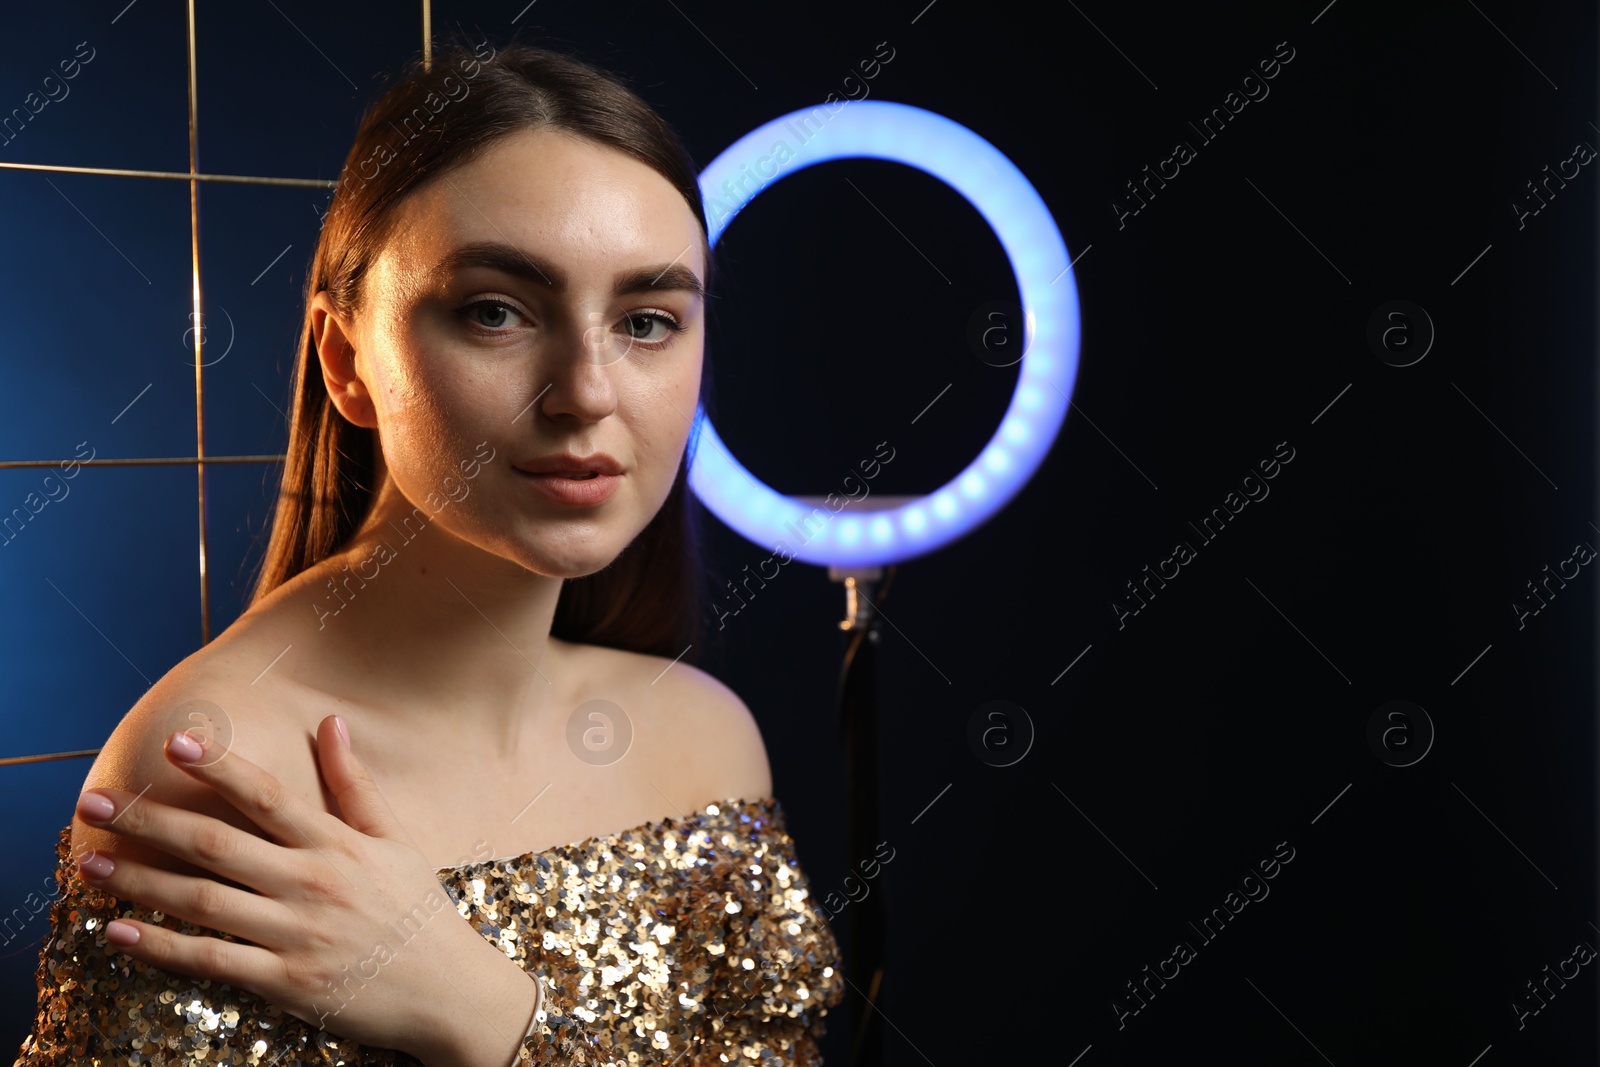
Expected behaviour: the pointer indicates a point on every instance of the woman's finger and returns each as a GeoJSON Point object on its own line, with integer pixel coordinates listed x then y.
{"type": "Point", "coordinates": [259, 796]}
{"type": "Point", "coordinates": [361, 804]}
{"type": "Point", "coordinates": [203, 841]}
{"type": "Point", "coordinates": [199, 956]}
{"type": "Point", "coordinates": [202, 901]}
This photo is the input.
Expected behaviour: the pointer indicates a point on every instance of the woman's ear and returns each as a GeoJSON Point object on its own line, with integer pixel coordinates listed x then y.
{"type": "Point", "coordinates": [336, 351]}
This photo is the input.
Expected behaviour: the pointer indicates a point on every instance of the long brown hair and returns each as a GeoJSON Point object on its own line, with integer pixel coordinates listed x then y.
{"type": "Point", "coordinates": [649, 598]}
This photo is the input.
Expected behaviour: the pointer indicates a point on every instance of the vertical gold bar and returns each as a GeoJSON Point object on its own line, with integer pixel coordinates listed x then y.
{"type": "Point", "coordinates": [427, 35]}
{"type": "Point", "coordinates": [199, 327]}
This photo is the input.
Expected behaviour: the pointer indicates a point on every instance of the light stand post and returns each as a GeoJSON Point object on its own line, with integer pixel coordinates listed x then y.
{"type": "Point", "coordinates": [858, 735]}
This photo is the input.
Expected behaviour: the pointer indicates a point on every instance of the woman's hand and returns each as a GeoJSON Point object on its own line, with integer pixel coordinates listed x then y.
{"type": "Point", "coordinates": [349, 928]}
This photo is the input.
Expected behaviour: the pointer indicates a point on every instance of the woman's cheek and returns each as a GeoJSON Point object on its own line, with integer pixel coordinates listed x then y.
{"type": "Point", "coordinates": [388, 386]}
{"type": "Point", "coordinates": [410, 390]}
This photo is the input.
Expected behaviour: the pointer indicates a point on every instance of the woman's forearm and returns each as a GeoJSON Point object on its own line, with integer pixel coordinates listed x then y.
{"type": "Point", "coordinates": [481, 1021]}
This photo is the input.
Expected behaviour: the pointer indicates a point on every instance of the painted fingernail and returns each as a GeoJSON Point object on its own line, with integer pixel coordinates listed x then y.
{"type": "Point", "coordinates": [184, 747]}
{"type": "Point", "coordinates": [344, 731]}
{"type": "Point", "coordinates": [95, 866]}
{"type": "Point", "coordinates": [96, 807]}
{"type": "Point", "coordinates": [121, 933]}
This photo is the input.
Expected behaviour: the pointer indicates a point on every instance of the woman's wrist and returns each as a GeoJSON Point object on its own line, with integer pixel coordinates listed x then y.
{"type": "Point", "coordinates": [486, 1019]}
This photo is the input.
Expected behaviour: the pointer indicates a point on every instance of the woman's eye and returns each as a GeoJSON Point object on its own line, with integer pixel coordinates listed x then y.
{"type": "Point", "coordinates": [491, 314]}
{"type": "Point", "coordinates": [651, 327]}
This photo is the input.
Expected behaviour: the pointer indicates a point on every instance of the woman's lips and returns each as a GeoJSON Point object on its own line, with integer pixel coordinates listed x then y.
{"type": "Point", "coordinates": [575, 490]}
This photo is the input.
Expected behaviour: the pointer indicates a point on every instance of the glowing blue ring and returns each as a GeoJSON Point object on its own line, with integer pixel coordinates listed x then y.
{"type": "Point", "coordinates": [977, 170]}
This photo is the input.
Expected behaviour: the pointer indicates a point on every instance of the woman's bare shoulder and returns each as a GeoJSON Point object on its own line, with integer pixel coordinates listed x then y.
{"type": "Point", "coordinates": [211, 696]}
{"type": "Point", "coordinates": [697, 723]}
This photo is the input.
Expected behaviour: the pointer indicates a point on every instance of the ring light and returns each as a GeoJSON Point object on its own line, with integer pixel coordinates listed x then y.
{"type": "Point", "coordinates": [991, 183]}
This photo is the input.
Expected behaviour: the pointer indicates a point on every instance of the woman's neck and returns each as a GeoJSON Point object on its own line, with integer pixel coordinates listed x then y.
{"type": "Point", "coordinates": [413, 619]}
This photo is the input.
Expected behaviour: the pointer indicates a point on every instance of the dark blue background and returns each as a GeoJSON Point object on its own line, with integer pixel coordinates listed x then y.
{"type": "Point", "coordinates": [1224, 318]}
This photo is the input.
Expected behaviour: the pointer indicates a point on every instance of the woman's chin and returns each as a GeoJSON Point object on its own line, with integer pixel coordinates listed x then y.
{"type": "Point", "coordinates": [566, 565]}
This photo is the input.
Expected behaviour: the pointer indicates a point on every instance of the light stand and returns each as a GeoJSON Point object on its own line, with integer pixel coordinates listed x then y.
{"type": "Point", "coordinates": [857, 548]}
{"type": "Point", "coordinates": [858, 736]}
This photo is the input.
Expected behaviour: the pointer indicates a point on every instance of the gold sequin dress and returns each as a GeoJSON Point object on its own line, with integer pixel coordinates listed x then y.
{"type": "Point", "coordinates": [684, 942]}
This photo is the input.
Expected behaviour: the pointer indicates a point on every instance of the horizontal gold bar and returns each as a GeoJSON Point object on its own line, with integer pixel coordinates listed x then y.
{"type": "Point", "coordinates": [49, 756]}
{"type": "Point", "coordinates": [191, 460]}
{"type": "Point", "coordinates": [176, 175]}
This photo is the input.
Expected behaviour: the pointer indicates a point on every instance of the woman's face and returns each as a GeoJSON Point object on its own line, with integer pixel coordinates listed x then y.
{"type": "Point", "coordinates": [542, 299]}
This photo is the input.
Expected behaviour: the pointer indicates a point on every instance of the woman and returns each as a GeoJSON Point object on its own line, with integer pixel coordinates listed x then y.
{"type": "Point", "coordinates": [463, 654]}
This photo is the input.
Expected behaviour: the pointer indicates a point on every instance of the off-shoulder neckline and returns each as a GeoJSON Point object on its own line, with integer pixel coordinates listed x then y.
{"type": "Point", "coordinates": [771, 804]}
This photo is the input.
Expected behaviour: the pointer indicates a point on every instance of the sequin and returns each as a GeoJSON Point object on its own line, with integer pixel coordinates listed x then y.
{"type": "Point", "coordinates": [686, 942]}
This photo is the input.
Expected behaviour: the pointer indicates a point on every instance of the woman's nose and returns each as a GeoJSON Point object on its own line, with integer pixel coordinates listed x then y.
{"type": "Point", "coordinates": [580, 375]}
{"type": "Point", "coordinates": [596, 341]}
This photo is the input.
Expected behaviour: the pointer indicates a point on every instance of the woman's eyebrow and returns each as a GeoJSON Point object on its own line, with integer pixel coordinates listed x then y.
{"type": "Point", "coordinates": [667, 276]}
{"type": "Point", "coordinates": [508, 259]}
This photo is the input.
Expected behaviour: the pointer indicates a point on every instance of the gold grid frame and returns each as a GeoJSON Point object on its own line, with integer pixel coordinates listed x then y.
{"type": "Point", "coordinates": [199, 460]}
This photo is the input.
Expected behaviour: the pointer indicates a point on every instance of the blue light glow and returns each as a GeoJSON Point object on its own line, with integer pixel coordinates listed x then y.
{"type": "Point", "coordinates": [899, 133]}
